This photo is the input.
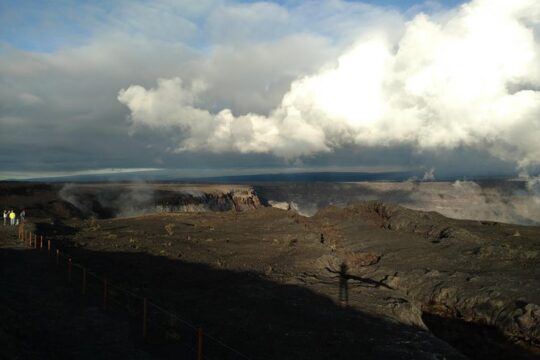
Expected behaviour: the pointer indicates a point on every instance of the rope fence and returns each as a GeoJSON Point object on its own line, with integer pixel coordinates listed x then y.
{"type": "Point", "coordinates": [158, 326]}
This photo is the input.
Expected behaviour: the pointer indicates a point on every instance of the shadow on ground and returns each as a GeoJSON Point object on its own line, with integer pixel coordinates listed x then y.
{"type": "Point", "coordinates": [474, 340]}
{"type": "Point", "coordinates": [261, 318]}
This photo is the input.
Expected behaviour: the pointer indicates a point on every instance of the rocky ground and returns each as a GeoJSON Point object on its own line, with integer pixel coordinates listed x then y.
{"type": "Point", "coordinates": [368, 281]}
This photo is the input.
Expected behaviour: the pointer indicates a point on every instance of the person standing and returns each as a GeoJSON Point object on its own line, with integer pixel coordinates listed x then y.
{"type": "Point", "coordinates": [22, 215]}
{"type": "Point", "coordinates": [12, 217]}
{"type": "Point", "coordinates": [5, 217]}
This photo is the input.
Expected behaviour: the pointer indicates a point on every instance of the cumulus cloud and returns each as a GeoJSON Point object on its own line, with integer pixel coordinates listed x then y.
{"type": "Point", "coordinates": [50, 98]}
{"type": "Point", "coordinates": [171, 105]}
{"type": "Point", "coordinates": [60, 75]}
{"type": "Point", "coordinates": [466, 77]}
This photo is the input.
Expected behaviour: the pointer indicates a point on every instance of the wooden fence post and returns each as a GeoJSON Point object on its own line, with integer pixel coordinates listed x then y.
{"type": "Point", "coordinates": [57, 257]}
{"type": "Point", "coordinates": [105, 294]}
{"type": "Point", "coordinates": [69, 270]}
{"type": "Point", "coordinates": [145, 315]}
{"type": "Point", "coordinates": [49, 246]}
{"type": "Point", "coordinates": [199, 343]}
{"type": "Point", "coordinates": [84, 281]}
{"type": "Point", "coordinates": [41, 241]}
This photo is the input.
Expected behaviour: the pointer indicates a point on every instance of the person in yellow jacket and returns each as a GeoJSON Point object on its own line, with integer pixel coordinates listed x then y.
{"type": "Point", "coordinates": [12, 217]}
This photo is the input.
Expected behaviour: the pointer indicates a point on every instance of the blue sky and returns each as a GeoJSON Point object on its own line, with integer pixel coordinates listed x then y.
{"type": "Point", "coordinates": [47, 26]}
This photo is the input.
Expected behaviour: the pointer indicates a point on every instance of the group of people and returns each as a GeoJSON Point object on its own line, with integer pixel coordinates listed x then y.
{"type": "Point", "coordinates": [13, 218]}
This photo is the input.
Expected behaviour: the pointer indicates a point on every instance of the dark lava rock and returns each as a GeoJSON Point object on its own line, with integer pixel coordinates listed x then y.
{"type": "Point", "coordinates": [386, 283]}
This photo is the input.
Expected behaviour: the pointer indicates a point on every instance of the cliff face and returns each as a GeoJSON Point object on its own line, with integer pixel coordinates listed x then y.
{"type": "Point", "coordinates": [237, 199]}
{"type": "Point", "coordinates": [246, 200]}
{"type": "Point", "coordinates": [117, 200]}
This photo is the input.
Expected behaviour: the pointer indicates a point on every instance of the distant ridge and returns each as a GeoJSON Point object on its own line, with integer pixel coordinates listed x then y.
{"type": "Point", "coordinates": [313, 176]}
{"type": "Point", "coordinates": [273, 177]}
{"type": "Point", "coordinates": [322, 176]}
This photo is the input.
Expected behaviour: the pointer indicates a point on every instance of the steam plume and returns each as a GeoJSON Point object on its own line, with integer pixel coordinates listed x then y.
{"type": "Point", "coordinates": [429, 175]}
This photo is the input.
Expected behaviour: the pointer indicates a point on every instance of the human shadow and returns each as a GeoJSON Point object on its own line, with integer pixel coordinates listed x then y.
{"type": "Point", "coordinates": [369, 282]}
{"type": "Point", "coordinates": [344, 278]}
{"type": "Point", "coordinates": [343, 285]}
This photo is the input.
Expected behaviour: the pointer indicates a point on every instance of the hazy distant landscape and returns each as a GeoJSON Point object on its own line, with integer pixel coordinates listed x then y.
{"type": "Point", "coordinates": [496, 200]}
{"type": "Point", "coordinates": [509, 201]}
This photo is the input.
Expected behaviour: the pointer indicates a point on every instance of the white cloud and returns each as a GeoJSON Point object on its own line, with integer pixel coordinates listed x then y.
{"type": "Point", "coordinates": [327, 78]}
{"type": "Point", "coordinates": [469, 77]}
{"type": "Point", "coordinates": [171, 105]}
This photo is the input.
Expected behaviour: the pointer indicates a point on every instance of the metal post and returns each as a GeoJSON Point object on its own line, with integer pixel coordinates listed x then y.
{"type": "Point", "coordinates": [105, 294]}
{"type": "Point", "coordinates": [199, 343]}
{"type": "Point", "coordinates": [145, 315]}
{"type": "Point", "coordinates": [84, 281]}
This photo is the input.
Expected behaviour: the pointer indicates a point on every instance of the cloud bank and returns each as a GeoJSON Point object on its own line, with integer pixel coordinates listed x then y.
{"type": "Point", "coordinates": [467, 77]}
{"type": "Point", "coordinates": [302, 80]}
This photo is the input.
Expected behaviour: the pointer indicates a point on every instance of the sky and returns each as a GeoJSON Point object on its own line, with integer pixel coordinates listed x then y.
{"type": "Point", "coordinates": [225, 86]}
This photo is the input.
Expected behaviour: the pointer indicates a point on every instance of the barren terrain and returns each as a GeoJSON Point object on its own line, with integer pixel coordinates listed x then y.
{"type": "Point", "coordinates": [371, 280]}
